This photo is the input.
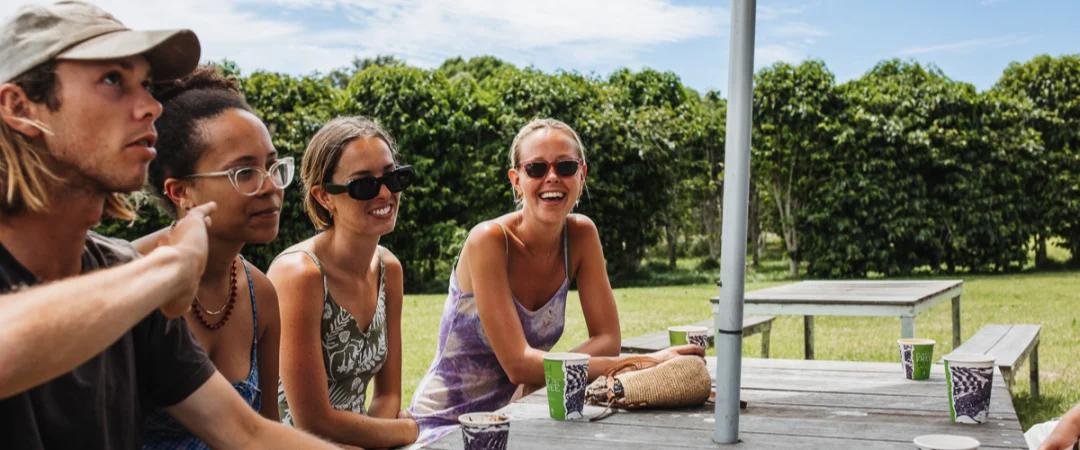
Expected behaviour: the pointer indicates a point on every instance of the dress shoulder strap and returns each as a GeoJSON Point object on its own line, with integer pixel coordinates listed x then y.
{"type": "Point", "coordinates": [318, 264]}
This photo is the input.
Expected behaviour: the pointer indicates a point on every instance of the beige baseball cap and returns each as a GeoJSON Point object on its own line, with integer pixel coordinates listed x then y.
{"type": "Point", "coordinates": [80, 31]}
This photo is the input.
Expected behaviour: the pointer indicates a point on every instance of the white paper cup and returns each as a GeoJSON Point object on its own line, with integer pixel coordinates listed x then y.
{"type": "Point", "coordinates": [485, 431]}
{"type": "Point", "coordinates": [945, 442]}
{"type": "Point", "coordinates": [969, 378]}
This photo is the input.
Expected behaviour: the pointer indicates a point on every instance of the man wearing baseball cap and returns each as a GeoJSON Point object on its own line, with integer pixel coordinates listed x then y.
{"type": "Point", "coordinates": [89, 340]}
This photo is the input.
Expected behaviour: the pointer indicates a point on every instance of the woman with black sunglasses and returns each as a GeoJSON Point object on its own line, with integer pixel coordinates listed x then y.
{"type": "Point", "coordinates": [213, 148]}
{"type": "Point", "coordinates": [341, 293]}
{"type": "Point", "coordinates": [507, 300]}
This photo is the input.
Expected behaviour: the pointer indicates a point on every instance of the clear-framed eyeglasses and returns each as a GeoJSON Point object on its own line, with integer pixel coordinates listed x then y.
{"type": "Point", "coordinates": [249, 180]}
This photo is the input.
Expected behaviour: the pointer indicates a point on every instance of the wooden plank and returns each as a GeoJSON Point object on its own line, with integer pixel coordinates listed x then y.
{"type": "Point", "coordinates": [657, 426]}
{"type": "Point", "coordinates": [647, 343]}
{"type": "Point", "coordinates": [1012, 348]}
{"type": "Point", "coordinates": [786, 412]}
{"type": "Point", "coordinates": [823, 365]}
{"type": "Point", "coordinates": [766, 337]}
{"type": "Point", "coordinates": [956, 335]}
{"type": "Point", "coordinates": [932, 406]}
{"type": "Point", "coordinates": [657, 341]}
{"type": "Point", "coordinates": [1035, 371]}
{"type": "Point", "coordinates": [823, 382]}
{"type": "Point", "coordinates": [686, 439]}
{"type": "Point", "coordinates": [899, 293]}
{"type": "Point", "coordinates": [987, 337]}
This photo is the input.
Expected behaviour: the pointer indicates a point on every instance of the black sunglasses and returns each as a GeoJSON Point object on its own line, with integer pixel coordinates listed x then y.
{"type": "Point", "coordinates": [367, 188]}
{"type": "Point", "coordinates": [564, 168]}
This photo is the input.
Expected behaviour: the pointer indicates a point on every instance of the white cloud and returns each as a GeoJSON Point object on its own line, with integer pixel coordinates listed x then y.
{"type": "Point", "coordinates": [781, 38]}
{"type": "Point", "coordinates": [1000, 41]}
{"type": "Point", "coordinates": [423, 32]}
{"type": "Point", "coordinates": [765, 55]}
{"type": "Point", "coordinates": [442, 27]}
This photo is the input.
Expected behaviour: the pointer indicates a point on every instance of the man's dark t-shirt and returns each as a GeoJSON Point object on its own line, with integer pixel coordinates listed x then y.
{"type": "Point", "coordinates": [102, 403]}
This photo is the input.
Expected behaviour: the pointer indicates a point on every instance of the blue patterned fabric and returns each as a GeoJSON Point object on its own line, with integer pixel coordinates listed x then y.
{"type": "Point", "coordinates": [165, 433]}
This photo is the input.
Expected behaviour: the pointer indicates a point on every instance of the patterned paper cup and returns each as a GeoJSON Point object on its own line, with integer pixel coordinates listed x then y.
{"type": "Point", "coordinates": [485, 431]}
{"type": "Point", "coordinates": [567, 375]}
{"type": "Point", "coordinates": [969, 378]}
{"type": "Point", "coordinates": [917, 356]}
{"type": "Point", "coordinates": [945, 442]}
{"type": "Point", "coordinates": [683, 335]}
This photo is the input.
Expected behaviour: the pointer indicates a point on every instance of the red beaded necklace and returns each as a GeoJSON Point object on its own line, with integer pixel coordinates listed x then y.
{"type": "Point", "coordinates": [226, 309]}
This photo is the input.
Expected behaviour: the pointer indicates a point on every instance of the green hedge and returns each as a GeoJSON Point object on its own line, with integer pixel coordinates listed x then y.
{"type": "Point", "coordinates": [901, 170]}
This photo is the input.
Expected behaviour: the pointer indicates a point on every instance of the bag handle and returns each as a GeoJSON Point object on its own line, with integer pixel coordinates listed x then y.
{"type": "Point", "coordinates": [629, 364]}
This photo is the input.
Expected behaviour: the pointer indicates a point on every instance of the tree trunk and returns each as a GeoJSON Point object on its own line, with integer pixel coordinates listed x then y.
{"type": "Point", "coordinates": [787, 226]}
{"type": "Point", "coordinates": [630, 260]}
{"type": "Point", "coordinates": [672, 246]}
{"type": "Point", "coordinates": [1040, 251]}
{"type": "Point", "coordinates": [754, 223]}
{"type": "Point", "coordinates": [713, 228]}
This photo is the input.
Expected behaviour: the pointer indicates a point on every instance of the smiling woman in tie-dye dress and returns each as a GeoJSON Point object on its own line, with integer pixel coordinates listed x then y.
{"type": "Point", "coordinates": [507, 301]}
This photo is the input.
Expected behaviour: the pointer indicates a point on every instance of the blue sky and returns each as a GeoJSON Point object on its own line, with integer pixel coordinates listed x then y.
{"type": "Point", "coordinates": [971, 40]}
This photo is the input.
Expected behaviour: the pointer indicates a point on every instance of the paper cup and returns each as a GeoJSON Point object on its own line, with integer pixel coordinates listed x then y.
{"type": "Point", "coordinates": [945, 442]}
{"type": "Point", "coordinates": [969, 378]}
{"type": "Point", "coordinates": [566, 375]}
{"type": "Point", "coordinates": [683, 335]}
{"type": "Point", "coordinates": [485, 431]}
{"type": "Point", "coordinates": [916, 355]}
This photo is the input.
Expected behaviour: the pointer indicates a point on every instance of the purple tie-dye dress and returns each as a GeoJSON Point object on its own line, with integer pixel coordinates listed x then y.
{"type": "Point", "coordinates": [466, 376]}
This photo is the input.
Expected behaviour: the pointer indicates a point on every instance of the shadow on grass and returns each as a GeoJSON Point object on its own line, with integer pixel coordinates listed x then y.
{"type": "Point", "coordinates": [1035, 410]}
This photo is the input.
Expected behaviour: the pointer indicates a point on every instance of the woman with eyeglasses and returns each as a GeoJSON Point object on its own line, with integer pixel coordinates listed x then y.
{"type": "Point", "coordinates": [507, 300]}
{"type": "Point", "coordinates": [213, 148]}
{"type": "Point", "coordinates": [341, 293]}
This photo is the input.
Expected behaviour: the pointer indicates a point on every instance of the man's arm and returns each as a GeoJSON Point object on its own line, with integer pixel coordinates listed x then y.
{"type": "Point", "coordinates": [221, 419]}
{"type": "Point", "coordinates": [49, 330]}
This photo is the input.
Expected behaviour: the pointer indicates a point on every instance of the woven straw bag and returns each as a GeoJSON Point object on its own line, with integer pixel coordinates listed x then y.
{"type": "Point", "coordinates": [648, 383]}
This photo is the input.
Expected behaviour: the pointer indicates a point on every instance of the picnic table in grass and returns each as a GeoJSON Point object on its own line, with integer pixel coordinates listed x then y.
{"type": "Point", "coordinates": [903, 299]}
{"type": "Point", "coordinates": [791, 404]}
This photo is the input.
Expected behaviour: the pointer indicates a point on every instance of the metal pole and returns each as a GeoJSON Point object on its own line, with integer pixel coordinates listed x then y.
{"type": "Point", "coordinates": [729, 313]}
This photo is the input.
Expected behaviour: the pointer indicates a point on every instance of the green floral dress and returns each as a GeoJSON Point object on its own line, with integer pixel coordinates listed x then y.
{"type": "Point", "coordinates": [351, 356]}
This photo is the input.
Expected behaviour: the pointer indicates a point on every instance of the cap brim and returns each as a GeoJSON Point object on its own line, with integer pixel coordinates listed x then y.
{"type": "Point", "coordinates": [171, 53]}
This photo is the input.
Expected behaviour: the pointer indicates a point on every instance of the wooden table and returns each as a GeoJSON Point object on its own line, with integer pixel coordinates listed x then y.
{"type": "Point", "coordinates": [791, 404]}
{"type": "Point", "coordinates": [903, 299]}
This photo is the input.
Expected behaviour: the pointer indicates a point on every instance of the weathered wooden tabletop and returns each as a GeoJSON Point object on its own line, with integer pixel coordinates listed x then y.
{"type": "Point", "coordinates": [905, 299]}
{"type": "Point", "coordinates": [862, 292]}
{"type": "Point", "coordinates": [791, 404]}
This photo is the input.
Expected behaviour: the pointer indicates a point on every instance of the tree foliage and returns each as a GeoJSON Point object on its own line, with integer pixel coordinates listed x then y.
{"type": "Point", "coordinates": [901, 170]}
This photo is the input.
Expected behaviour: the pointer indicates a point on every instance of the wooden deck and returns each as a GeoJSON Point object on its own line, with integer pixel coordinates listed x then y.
{"type": "Point", "coordinates": [791, 404]}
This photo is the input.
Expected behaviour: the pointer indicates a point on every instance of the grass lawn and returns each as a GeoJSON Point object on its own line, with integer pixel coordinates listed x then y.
{"type": "Point", "coordinates": [1051, 299]}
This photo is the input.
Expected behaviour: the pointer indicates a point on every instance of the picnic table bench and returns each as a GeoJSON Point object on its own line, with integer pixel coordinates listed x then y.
{"type": "Point", "coordinates": [1010, 345]}
{"type": "Point", "coordinates": [653, 342]}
